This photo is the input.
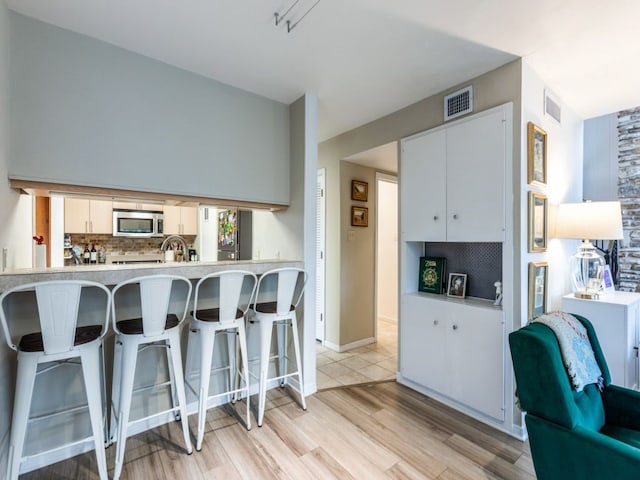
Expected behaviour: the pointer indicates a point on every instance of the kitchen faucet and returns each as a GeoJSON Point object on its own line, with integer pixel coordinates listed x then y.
{"type": "Point", "coordinates": [167, 241]}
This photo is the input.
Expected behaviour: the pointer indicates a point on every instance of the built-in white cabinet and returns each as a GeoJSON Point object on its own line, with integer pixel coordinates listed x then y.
{"type": "Point", "coordinates": [615, 318]}
{"type": "Point", "coordinates": [452, 182]}
{"type": "Point", "coordinates": [87, 216]}
{"type": "Point", "coordinates": [459, 345]}
{"type": "Point", "coordinates": [180, 220]}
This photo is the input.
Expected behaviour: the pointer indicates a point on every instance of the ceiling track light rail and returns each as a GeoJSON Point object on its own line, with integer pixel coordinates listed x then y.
{"type": "Point", "coordinates": [291, 25]}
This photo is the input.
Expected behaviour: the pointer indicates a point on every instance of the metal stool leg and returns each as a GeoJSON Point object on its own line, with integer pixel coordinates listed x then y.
{"type": "Point", "coordinates": [90, 358]}
{"type": "Point", "coordinates": [26, 375]}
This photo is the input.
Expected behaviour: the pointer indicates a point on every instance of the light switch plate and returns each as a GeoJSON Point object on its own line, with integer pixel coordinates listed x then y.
{"type": "Point", "coordinates": [351, 235]}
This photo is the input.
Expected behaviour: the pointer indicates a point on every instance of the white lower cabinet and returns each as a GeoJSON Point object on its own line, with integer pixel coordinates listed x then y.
{"type": "Point", "coordinates": [455, 349]}
{"type": "Point", "coordinates": [615, 318]}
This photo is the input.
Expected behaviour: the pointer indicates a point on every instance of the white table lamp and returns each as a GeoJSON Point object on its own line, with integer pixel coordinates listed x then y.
{"type": "Point", "coordinates": [588, 221]}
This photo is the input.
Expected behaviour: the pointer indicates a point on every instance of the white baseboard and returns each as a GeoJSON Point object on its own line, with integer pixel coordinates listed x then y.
{"type": "Point", "coordinates": [350, 346]}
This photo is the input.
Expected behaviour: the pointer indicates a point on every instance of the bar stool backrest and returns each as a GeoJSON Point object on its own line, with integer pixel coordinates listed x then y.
{"type": "Point", "coordinates": [228, 290]}
{"type": "Point", "coordinates": [155, 296]}
{"type": "Point", "coordinates": [58, 304]}
{"type": "Point", "coordinates": [290, 284]}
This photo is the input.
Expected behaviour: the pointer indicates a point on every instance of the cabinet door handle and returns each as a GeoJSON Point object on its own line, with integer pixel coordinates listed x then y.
{"type": "Point", "coordinates": [435, 217]}
{"type": "Point", "coordinates": [91, 226]}
{"type": "Point", "coordinates": [436, 322]}
{"type": "Point", "coordinates": [455, 327]}
{"type": "Point", "coordinates": [455, 216]}
{"type": "Point", "coordinates": [86, 226]}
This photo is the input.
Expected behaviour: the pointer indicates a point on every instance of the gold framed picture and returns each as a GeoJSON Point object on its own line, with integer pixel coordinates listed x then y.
{"type": "Point", "coordinates": [537, 222]}
{"type": "Point", "coordinates": [359, 216]}
{"type": "Point", "coordinates": [538, 281]}
{"type": "Point", "coordinates": [359, 190]}
{"type": "Point", "coordinates": [536, 155]}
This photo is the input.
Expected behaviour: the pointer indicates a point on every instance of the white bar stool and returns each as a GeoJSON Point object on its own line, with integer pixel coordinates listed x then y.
{"type": "Point", "coordinates": [149, 324]}
{"type": "Point", "coordinates": [221, 312]}
{"type": "Point", "coordinates": [60, 339]}
{"type": "Point", "coordinates": [288, 289]}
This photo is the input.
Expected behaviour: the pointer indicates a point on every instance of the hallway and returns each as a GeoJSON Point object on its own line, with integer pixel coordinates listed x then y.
{"type": "Point", "coordinates": [374, 362]}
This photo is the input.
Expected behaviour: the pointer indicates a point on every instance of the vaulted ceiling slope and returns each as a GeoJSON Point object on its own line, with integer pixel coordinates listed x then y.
{"type": "Point", "coordinates": [367, 58]}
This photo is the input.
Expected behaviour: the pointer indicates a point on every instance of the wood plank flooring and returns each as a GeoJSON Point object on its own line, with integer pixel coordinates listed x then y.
{"type": "Point", "coordinates": [368, 431]}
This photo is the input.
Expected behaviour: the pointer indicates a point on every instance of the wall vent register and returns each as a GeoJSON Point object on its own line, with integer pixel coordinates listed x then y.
{"type": "Point", "coordinates": [458, 103]}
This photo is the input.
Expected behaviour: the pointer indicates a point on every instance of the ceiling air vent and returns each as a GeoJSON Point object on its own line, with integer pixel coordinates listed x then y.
{"type": "Point", "coordinates": [458, 103]}
{"type": "Point", "coordinates": [552, 107]}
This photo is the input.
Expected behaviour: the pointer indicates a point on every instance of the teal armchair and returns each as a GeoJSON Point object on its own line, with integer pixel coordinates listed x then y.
{"type": "Point", "coordinates": [573, 435]}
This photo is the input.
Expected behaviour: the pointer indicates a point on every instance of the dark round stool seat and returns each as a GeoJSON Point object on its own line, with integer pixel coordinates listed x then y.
{"type": "Point", "coordinates": [133, 326]}
{"type": "Point", "coordinates": [32, 342]}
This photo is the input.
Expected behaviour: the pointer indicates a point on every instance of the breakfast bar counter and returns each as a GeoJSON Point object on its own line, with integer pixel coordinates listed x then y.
{"type": "Point", "coordinates": [112, 274]}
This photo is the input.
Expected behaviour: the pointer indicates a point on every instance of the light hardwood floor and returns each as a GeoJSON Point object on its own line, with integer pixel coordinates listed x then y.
{"type": "Point", "coordinates": [369, 431]}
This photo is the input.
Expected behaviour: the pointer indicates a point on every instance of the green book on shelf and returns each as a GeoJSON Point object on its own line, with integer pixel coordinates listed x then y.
{"type": "Point", "coordinates": [431, 274]}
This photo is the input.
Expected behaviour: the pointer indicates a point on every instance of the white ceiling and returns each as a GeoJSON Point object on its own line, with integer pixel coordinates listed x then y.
{"type": "Point", "coordinates": [367, 58]}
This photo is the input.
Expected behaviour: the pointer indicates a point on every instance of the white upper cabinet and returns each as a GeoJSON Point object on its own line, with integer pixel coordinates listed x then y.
{"type": "Point", "coordinates": [423, 177]}
{"type": "Point", "coordinates": [453, 182]}
{"type": "Point", "coordinates": [476, 152]}
{"type": "Point", "coordinates": [87, 216]}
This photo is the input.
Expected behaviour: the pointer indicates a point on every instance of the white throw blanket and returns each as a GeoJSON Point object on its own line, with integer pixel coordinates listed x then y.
{"type": "Point", "coordinates": [576, 350]}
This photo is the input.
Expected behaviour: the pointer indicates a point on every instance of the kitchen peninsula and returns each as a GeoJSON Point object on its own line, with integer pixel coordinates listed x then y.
{"type": "Point", "coordinates": [111, 274]}
{"type": "Point", "coordinates": [64, 392]}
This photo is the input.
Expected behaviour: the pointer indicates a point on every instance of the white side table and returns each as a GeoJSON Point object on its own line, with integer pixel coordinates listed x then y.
{"type": "Point", "coordinates": [615, 317]}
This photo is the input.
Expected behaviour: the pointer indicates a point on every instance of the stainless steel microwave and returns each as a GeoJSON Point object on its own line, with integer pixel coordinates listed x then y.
{"type": "Point", "coordinates": [137, 223]}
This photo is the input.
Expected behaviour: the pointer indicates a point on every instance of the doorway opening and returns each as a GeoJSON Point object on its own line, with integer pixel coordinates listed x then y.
{"type": "Point", "coordinates": [369, 354]}
{"type": "Point", "coordinates": [386, 278]}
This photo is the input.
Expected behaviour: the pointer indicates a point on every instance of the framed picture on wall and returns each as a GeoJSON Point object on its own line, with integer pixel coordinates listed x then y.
{"type": "Point", "coordinates": [359, 216]}
{"type": "Point", "coordinates": [538, 279]}
{"type": "Point", "coordinates": [537, 222]}
{"type": "Point", "coordinates": [359, 190]}
{"type": "Point", "coordinates": [536, 155]}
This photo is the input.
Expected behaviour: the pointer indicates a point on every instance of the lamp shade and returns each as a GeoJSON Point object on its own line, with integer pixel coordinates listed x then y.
{"type": "Point", "coordinates": [589, 221]}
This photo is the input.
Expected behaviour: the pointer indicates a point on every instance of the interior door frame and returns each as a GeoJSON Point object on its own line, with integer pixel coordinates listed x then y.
{"type": "Point", "coordinates": [380, 177]}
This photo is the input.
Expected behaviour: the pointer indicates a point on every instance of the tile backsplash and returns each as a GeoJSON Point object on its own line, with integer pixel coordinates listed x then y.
{"type": "Point", "coordinates": [122, 245]}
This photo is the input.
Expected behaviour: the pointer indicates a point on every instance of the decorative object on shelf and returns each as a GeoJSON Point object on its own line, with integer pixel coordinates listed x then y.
{"type": "Point", "coordinates": [607, 280]}
{"type": "Point", "coordinates": [537, 222]}
{"type": "Point", "coordinates": [588, 221]}
{"type": "Point", "coordinates": [359, 190]}
{"type": "Point", "coordinates": [536, 155]}
{"type": "Point", "coordinates": [431, 274]}
{"type": "Point", "coordinates": [498, 286]}
{"type": "Point", "coordinates": [457, 286]}
{"type": "Point", "coordinates": [41, 252]}
{"type": "Point", "coordinates": [538, 278]}
{"type": "Point", "coordinates": [359, 216]}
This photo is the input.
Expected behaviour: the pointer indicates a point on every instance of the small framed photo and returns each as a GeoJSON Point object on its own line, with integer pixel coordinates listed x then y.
{"type": "Point", "coordinates": [359, 216]}
{"type": "Point", "coordinates": [536, 155]}
{"type": "Point", "coordinates": [457, 286]}
{"type": "Point", "coordinates": [537, 222]}
{"type": "Point", "coordinates": [607, 280]}
{"type": "Point", "coordinates": [538, 277]}
{"type": "Point", "coordinates": [359, 190]}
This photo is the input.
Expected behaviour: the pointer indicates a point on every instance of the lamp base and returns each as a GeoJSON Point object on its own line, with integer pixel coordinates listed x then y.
{"type": "Point", "coordinates": [587, 295]}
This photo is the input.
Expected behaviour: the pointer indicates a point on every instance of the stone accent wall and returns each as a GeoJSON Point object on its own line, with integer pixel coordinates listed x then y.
{"type": "Point", "coordinates": [629, 195]}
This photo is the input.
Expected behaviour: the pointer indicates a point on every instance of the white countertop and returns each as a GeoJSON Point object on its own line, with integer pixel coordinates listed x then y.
{"type": "Point", "coordinates": [111, 274]}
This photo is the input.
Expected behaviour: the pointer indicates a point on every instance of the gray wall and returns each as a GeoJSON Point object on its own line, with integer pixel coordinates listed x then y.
{"type": "Point", "coordinates": [357, 249]}
{"type": "Point", "coordinates": [601, 158]}
{"type": "Point", "coordinates": [88, 113]}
